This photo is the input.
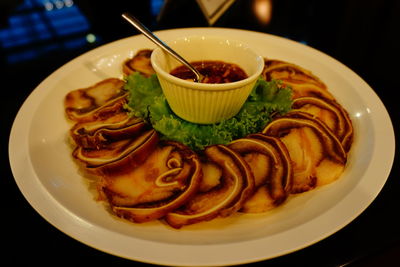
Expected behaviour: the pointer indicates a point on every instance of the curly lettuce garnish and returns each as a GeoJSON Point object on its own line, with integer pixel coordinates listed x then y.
{"type": "Point", "coordinates": [147, 101]}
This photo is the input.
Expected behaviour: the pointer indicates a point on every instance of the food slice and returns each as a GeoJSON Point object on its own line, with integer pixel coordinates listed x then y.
{"type": "Point", "coordinates": [140, 62]}
{"type": "Point", "coordinates": [277, 69]}
{"type": "Point", "coordinates": [118, 156]}
{"type": "Point", "coordinates": [318, 156]}
{"type": "Point", "coordinates": [99, 133]}
{"type": "Point", "coordinates": [165, 181]}
{"type": "Point", "coordinates": [331, 113]}
{"type": "Point", "coordinates": [270, 163]}
{"type": "Point", "coordinates": [235, 186]}
{"type": "Point", "coordinates": [302, 81]}
{"type": "Point", "coordinates": [97, 101]}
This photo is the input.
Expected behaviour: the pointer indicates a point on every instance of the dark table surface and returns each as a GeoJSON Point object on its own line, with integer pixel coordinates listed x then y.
{"type": "Point", "coordinates": [361, 34]}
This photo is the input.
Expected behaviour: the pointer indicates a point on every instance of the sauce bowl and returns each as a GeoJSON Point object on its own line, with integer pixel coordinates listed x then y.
{"type": "Point", "coordinates": [206, 103]}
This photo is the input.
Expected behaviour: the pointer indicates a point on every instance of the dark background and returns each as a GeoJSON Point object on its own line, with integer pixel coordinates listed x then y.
{"type": "Point", "coordinates": [39, 36]}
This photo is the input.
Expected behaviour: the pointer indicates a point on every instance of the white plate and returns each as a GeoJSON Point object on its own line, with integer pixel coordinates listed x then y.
{"type": "Point", "coordinates": [45, 173]}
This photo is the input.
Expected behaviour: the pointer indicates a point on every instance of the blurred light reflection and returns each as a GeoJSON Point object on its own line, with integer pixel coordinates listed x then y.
{"type": "Point", "coordinates": [39, 26]}
{"type": "Point", "coordinates": [263, 11]}
{"type": "Point", "coordinates": [90, 38]}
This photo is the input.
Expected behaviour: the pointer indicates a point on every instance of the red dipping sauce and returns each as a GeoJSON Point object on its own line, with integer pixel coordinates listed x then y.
{"type": "Point", "coordinates": [213, 71]}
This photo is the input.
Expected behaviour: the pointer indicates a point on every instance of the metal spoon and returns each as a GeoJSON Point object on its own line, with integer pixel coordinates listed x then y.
{"type": "Point", "coordinates": [138, 25]}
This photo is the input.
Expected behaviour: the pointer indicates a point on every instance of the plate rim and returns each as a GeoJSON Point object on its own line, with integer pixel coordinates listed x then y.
{"type": "Point", "coordinates": [41, 194]}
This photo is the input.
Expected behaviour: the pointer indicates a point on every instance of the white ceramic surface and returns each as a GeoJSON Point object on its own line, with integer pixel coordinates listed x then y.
{"type": "Point", "coordinates": [48, 178]}
{"type": "Point", "coordinates": [203, 102]}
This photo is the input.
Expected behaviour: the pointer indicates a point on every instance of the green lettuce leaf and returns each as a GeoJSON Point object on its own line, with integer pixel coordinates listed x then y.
{"type": "Point", "coordinates": [147, 101]}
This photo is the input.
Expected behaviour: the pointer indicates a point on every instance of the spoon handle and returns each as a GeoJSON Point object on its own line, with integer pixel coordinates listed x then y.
{"type": "Point", "coordinates": [139, 26]}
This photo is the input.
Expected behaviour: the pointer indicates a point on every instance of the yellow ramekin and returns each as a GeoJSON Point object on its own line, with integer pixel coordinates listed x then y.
{"type": "Point", "coordinates": [201, 102]}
